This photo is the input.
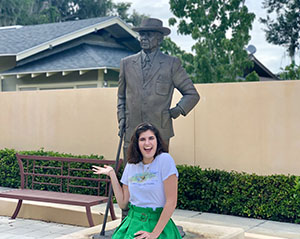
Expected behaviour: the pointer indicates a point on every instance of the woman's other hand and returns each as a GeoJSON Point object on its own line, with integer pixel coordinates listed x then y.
{"type": "Point", "coordinates": [146, 235]}
{"type": "Point", "coordinates": [106, 170]}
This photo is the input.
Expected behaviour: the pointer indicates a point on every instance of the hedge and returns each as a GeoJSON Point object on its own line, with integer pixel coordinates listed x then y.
{"type": "Point", "coordinates": [10, 177]}
{"type": "Point", "coordinates": [275, 197]}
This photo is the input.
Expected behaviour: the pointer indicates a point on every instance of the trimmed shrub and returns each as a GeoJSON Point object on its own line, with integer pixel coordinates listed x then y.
{"type": "Point", "coordinates": [9, 169]}
{"type": "Point", "coordinates": [10, 173]}
{"type": "Point", "coordinates": [275, 197]}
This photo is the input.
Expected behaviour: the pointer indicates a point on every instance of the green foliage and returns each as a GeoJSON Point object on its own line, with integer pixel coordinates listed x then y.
{"type": "Point", "coordinates": [285, 29]}
{"type": "Point", "coordinates": [291, 72]}
{"type": "Point", "coordinates": [10, 177]}
{"type": "Point", "coordinates": [253, 76]}
{"type": "Point", "coordinates": [8, 12]}
{"type": "Point", "coordinates": [92, 8]}
{"type": "Point", "coordinates": [30, 12]}
{"type": "Point", "coordinates": [9, 169]}
{"type": "Point", "coordinates": [221, 31]}
{"type": "Point", "coordinates": [169, 47]}
{"type": "Point", "coordinates": [275, 197]}
{"type": "Point", "coordinates": [121, 10]}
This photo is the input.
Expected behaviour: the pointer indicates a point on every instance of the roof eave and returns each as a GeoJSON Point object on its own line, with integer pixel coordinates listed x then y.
{"type": "Point", "coordinates": [263, 67]}
{"type": "Point", "coordinates": [57, 71]}
{"type": "Point", "coordinates": [74, 35]}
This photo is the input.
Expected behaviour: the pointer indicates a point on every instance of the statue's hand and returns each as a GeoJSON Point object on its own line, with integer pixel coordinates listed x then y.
{"type": "Point", "coordinates": [175, 112]}
{"type": "Point", "coordinates": [121, 126]}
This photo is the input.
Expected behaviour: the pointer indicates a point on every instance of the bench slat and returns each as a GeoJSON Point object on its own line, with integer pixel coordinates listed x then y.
{"type": "Point", "coordinates": [66, 177]}
{"type": "Point", "coordinates": [54, 197]}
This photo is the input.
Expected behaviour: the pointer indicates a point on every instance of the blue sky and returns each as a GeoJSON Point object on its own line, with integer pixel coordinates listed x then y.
{"type": "Point", "coordinates": [272, 56]}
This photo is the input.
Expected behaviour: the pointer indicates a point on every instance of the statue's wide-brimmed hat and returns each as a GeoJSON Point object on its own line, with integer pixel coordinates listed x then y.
{"type": "Point", "coordinates": [152, 24]}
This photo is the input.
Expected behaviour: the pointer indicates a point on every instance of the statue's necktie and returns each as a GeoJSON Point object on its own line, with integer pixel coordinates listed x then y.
{"type": "Point", "coordinates": [146, 66]}
{"type": "Point", "coordinates": [147, 61]}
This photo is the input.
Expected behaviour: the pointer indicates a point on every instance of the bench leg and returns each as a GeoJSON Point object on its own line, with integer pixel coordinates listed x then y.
{"type": "Point", "coordinates": [112, 211]}
{"type": "Point", "coordinates": [17, 209]}
{"type": "Point", "coordinates": [89, 216]}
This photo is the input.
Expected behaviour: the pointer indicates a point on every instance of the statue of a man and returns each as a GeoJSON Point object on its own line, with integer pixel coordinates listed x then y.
{"type": "Point", "coordinates": [146, 85]}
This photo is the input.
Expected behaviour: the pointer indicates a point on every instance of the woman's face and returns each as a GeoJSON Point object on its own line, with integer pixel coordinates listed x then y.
{"type": "Point", "coordinates": [148, 145]}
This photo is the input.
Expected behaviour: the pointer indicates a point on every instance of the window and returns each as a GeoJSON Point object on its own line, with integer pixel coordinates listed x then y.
{"type": "Point", "coordinates": [27, 88]}
{"type": "Point", "coordinates": [57, 86]}
{"type": "Point", "coordinates": [87, 86]}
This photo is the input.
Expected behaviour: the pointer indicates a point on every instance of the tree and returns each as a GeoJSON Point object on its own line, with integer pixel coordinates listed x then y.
{"type": "Point", "coordinates": [221, 31]}
{"type": "Point", "coordinates": [37, 12]}
{"type": "Point", "coordinates": [291, 72]}
{"type": "Point", "coordinates": [29, 12]}
{"type": "Point", "coordinates": [9, 12]}
{"type": "Point", "coordinates": [285, 29]}
{"type": "Point", "coordinates": [121, 9]}
{"type": "Point", "coordinates": [92, 8]}
{"type": "Point", "coordinates": [136, 19]}
{"type": "Point", "coordinates": [169, 47]}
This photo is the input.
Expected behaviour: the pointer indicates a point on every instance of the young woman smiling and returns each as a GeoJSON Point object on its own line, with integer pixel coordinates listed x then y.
{"type": "Point", "coordinates": [150, 181]}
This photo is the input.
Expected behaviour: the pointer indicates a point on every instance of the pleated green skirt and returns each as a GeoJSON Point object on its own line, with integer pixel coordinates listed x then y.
{"type": "Point", "coordinates": [144, 219]}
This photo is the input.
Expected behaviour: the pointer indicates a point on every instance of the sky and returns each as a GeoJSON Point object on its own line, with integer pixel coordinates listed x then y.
{"type": "Point", "coordinates": [272, 56]}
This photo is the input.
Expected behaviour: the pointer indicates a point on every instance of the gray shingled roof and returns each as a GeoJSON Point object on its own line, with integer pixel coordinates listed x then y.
{"type": "Point", "coordinates": [16, 40]}
{"type": "Point", "coordinates": [81, 57]}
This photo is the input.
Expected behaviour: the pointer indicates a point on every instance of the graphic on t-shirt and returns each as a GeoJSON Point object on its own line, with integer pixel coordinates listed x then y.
{"type": "Point", "coordinates": [145, 177]}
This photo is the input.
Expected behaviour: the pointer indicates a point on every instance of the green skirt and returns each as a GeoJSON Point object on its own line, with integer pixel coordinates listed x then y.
{"type": "Point", "coordinates": [144, 219]}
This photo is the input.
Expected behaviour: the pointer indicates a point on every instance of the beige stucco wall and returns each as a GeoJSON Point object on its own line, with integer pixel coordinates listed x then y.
{"type": "Point", "coordinates": [72, 121]}
{"type": "Point", "coordinates": [251, 127]}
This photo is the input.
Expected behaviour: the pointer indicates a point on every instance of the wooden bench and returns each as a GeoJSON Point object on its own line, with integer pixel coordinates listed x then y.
{"type": "Point", "coordinates": [61, 180]}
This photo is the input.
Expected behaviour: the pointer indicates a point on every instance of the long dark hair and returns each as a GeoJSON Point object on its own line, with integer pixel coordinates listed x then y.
{"type": "Point", "coordinates": [134, 154]}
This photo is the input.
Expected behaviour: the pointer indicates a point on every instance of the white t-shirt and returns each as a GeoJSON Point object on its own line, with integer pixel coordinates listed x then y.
{"type": "Point", "coordinates": [145, 182]}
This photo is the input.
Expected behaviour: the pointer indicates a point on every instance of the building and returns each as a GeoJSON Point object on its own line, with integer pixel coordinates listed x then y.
{"type": "Point", "coordinates": [64, 55]}
{"type": "Point", "coordinates": [263, 72]}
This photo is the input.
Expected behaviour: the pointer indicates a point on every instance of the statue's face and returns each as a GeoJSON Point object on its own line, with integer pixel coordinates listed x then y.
{"type": "Point", "coordinates": [150, 40]}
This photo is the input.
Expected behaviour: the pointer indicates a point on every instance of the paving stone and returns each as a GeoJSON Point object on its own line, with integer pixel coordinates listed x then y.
{"type": "Point", "coordinates": [227, 220]}
{"type": "Point", "coordinates": [53, 235]}
{"type": "Point", "coordinates": [20, 230]}
{"type": "Point", "coordinates": [278, 229]}
{"type": "Point", "coordinates": [33, 229]}
{"type": "Point", "coordinates": [23, 237]}
{"type": "Point", "coordinates": [6, 235]}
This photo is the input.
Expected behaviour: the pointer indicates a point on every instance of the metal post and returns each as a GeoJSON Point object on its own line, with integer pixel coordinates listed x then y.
{"type": "Point", "coordinates": [102, 233]}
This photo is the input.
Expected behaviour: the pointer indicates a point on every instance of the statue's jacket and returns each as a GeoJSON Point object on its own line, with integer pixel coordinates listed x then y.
{"type": "Point", "coordinates": [148, 100]}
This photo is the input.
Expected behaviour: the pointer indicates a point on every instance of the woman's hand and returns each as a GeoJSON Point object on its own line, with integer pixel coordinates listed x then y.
{"type": "Point", "coordinates": [106, 170]}
{"type": "Point", "coordinates": [143, 234]}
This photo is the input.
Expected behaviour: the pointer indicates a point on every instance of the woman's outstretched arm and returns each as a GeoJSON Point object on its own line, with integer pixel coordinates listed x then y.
{"type": "Point", "coordinates": [121, 193]}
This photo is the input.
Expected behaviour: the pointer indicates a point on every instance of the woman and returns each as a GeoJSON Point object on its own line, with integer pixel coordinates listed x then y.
{"type": "Point", "coordinates": [150, 181]}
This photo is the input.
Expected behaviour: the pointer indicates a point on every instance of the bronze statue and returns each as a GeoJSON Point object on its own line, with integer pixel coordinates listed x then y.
{"type": "Point", "coordinates": [146, 85]}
